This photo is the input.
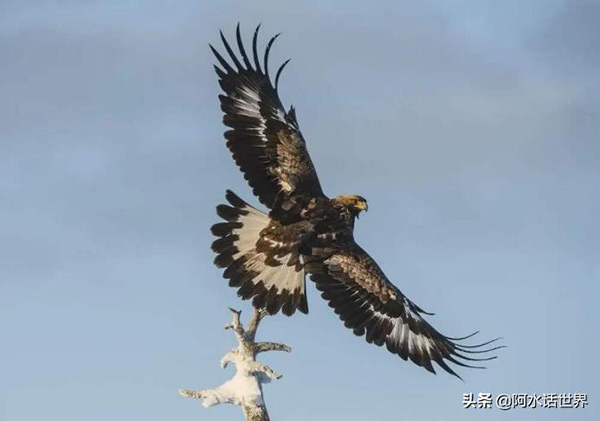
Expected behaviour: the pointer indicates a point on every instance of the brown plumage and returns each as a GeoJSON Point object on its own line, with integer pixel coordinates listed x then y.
{"type": "Point", "coordinates": [266, 256]}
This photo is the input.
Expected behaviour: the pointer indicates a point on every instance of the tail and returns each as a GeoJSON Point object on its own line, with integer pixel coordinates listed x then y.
{"type": "Point", "coordinates": [275, 280]}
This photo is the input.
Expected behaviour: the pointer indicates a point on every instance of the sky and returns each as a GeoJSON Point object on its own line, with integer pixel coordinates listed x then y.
{"type": "Point", "coordinates": [470, 127]}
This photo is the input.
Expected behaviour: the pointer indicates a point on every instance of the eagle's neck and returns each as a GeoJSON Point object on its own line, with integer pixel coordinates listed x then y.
{"type": "Point", "coordinates": [345, 214]}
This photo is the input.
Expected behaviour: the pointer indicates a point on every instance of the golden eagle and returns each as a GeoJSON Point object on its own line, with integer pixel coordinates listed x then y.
{"type": "Point", "coordinates": [266, 256]}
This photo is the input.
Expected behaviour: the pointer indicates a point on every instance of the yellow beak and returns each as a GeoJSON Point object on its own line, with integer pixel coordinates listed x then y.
{"type": "Point", "coordinates": [362, 206]}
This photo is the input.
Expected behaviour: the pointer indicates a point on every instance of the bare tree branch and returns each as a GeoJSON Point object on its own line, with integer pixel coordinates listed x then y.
{"type": "Point", "coordinates": [257, 316]}
{"type": "Point", "coordinates": [245, 388]}
{"type": "Point", "coordinates": [271, 346]}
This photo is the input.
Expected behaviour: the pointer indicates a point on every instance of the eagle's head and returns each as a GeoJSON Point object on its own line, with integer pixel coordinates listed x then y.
{"type": "Point", "coordinates": [356, 204]}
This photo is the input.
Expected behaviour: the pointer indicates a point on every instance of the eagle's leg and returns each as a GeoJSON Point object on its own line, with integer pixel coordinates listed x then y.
{"type": "Point", "coordinates": [245, 388]}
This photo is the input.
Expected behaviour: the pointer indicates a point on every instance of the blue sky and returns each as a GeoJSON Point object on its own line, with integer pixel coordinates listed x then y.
{"type": "Point", "coordinates": [471, 128]}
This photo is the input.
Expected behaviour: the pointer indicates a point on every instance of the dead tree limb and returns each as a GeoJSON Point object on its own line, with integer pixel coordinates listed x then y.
{"type": "Point", "coordinates": [245, 388]}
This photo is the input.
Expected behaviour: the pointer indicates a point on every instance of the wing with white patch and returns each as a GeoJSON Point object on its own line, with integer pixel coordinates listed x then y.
{"type": "Point", "coordinates": [369, 304]}
{"type": "Point", "coordinates": [264, 139]}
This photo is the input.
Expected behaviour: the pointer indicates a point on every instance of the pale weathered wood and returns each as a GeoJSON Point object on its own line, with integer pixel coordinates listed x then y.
{"type": "Point", "coordinates": [245, 388]}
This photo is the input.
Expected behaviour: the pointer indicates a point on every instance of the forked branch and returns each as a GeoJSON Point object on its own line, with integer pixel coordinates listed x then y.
{"type": "Point", "coordinates": [245, 388]}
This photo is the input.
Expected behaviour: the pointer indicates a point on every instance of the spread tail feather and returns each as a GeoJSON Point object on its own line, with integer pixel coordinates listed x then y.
{"type": "Point", "coordinates": [275, 282]}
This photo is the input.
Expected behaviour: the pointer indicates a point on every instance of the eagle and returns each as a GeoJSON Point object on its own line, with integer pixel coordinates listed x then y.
{"type": "Point", "coordinates": [267, 256]}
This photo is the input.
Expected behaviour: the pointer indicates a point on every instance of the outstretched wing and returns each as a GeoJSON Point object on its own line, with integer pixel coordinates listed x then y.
{"type": "Point", "coordinates": [369, 304]}
{"type": "Point", "coordinates": [265, 141]}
